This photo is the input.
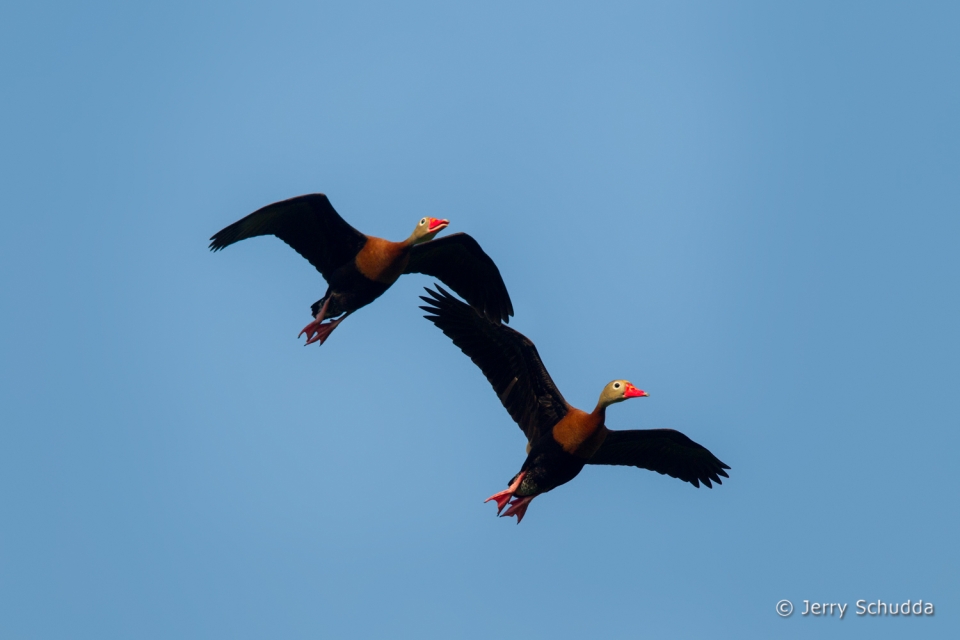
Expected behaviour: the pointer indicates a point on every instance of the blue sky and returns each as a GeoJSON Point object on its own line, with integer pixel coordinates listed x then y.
{"type": "Point", "coordinates": [749, 211]}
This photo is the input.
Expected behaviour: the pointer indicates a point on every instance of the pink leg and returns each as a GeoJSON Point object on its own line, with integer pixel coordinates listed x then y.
{"type": "Point", "coordinates": [503, 497]}
{"type": "Point", "coordinates": [311, 328]}
{"type": "Point", "coordinates": [518, 507]}
{"type": "Point", "coordinates": [324, 330]}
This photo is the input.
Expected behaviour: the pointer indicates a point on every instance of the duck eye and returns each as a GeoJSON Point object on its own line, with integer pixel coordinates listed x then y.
{"type": "Point", "coordinates": [423, 222]}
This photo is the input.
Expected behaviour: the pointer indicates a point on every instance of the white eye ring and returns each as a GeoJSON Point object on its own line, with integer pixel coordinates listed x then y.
{"type": "Point", "coordinates": [424, 221]}
{"type": "Point", "coordinates": [616, 385]}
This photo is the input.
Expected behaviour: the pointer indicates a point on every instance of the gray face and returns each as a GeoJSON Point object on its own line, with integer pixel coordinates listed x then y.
{"type": "Point", "coordinates": [427, 228]}
{"type": "Point", "coordinates": [613, 392]}
{"type": "Point", "coordinates": [618, 391]}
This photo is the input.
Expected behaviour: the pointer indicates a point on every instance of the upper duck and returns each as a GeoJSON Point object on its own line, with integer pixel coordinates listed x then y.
{"type": "Point", "coordinates": [360, 268]}
{"type": "Point", "coordinates": [561, 439]}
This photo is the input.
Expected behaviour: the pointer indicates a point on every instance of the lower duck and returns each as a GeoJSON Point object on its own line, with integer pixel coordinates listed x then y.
{"type": "Point", "coordinates": [561, 439]}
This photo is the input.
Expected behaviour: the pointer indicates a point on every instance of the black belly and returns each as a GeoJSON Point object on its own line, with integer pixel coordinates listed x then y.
{"type": "Point", "coordinates": [348, 291]}
{"type": "Point", "coordinates": [548, 466]}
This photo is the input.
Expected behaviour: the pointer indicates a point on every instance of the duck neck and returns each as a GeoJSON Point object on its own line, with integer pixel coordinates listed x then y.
{"type": "Point", "coordinates": [414, 239]}
{"type": "Point", "coordinates": [600, 412]}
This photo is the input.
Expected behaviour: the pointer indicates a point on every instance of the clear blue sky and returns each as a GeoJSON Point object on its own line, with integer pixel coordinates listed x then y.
{"type": "Point", "coordinates": [752, 212]}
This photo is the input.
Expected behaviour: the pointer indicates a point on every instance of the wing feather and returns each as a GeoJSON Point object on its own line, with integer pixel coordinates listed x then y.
{"type": "Point", "coordinates": [507, 358]}
{"type": "Point", "coordinates": [309, 224]}
{"type": "Point", "coordinates": [458, 261]}
{"type": "Point", "coordinates": [662, 450]}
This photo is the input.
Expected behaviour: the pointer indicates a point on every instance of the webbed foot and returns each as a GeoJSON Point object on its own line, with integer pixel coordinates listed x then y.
{"type": "Point", "coordinates": [503, 497]}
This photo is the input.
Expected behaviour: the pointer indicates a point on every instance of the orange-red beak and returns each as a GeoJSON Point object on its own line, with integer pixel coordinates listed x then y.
{"type": "Point", "coordinates": [436, 224]}
{"type": "Point", "coordinates": [632, 392]}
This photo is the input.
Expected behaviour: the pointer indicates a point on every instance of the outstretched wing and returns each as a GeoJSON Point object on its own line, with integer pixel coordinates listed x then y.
{"type": "Point", "coordinates": [459, 262]}
{"type": "Point", "coordinates": [308, 223]}
{"type": "Point", "coordinates": [506, 357]}
{"type": "Point", "coordinates": [664, 451]}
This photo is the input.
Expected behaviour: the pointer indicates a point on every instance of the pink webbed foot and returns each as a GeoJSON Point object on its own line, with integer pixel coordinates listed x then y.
{"type": "Point", "coordinates": [322, 331]}
{"type": "Point", "coordinates": [311, 329]}
{"type": "Point", "coordinates": [314, 325]}
{"type": "Point", "coordinates": [518, 507]}
{"type": "Point", "coordinates": [503, 497]}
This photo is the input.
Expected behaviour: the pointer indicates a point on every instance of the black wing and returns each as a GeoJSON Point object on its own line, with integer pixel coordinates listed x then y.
{"type": "Point", "coordinates": [308, 223]}
{"type": "Point", "coordinates": [506, 357]}
{"type": "Point", "coordinates": [459, 262]}
{"type": "Point", "coordinates": [664, 451]}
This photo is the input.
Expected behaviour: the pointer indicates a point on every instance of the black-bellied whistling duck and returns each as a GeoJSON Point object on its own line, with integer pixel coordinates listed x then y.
{"type": "Point", "coordinates": [561, 439]}
{"type": "Point", "coordinates": [360, 268]}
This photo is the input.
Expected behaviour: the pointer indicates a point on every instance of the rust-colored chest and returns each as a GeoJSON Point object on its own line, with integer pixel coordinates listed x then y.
{"type": "Point", "coordinates": [383, 261]}
{"type": "Point", "coordinates": [580, 433]}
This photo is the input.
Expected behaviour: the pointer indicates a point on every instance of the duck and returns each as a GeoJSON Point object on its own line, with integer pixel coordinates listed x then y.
{"type": "Point", "coordinates": [359, 268]}
{"type": "Point", "coordinates": [561, 439]}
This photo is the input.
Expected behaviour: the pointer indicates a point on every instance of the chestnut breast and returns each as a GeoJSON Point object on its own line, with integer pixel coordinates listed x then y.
{"type": "Point", "coordinates": [382, 261]}
{"type": "Point", "coordinates": [580, 433]}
